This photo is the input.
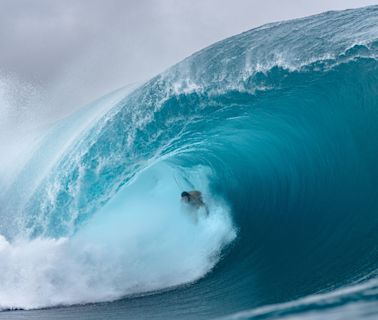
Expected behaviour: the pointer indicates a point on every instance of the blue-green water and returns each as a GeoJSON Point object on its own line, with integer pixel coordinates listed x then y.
{"type": "Point", "coordinates": [278, 126]}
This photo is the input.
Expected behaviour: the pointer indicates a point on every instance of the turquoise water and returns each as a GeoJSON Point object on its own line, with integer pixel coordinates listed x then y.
{"type": "Point", "coordinates": [277, 126]}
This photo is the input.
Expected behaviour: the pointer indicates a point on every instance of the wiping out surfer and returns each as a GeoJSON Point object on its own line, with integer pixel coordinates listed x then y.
{"type": "Point", "coordinates": [194, 200]}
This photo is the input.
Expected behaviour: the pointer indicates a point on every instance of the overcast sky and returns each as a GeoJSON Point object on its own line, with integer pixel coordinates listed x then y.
{"type": "Point", "coordinates": [76, 50]}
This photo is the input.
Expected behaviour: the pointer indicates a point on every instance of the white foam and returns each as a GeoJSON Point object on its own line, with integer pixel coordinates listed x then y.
{"type": "Point", "coordinates": [141, 241]}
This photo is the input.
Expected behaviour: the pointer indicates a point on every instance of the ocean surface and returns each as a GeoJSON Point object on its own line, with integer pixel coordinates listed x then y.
{"type": "Point", "coordinates": [277, 126]}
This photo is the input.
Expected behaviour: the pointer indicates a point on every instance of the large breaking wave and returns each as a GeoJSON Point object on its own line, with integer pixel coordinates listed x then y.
{"type": "Point", "coordinates": [277, 126]}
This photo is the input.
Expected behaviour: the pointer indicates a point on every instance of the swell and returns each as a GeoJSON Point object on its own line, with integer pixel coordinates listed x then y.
{"type": "Point", "coordinates": [285, 146]}
{"type": "Point", "coordinates": [297, 167]}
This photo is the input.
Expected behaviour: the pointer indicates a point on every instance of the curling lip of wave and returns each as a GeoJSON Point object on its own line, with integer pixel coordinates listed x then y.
{"type": "Point", "coordinates": [264, 111]}
{"type": "Point", "coordinates": [292, 45]}
{"type": "Point", "coordinates": [233, 64]}
{"type": "Point", "coordinates": [228, 65]}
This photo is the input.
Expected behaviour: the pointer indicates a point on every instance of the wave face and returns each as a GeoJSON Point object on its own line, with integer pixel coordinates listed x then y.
{"type": "Point", "coordinates": [278, 126]}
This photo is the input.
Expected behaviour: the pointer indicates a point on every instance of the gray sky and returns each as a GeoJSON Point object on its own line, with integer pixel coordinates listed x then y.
{"type": "Point", "coordinates": [73, 51]}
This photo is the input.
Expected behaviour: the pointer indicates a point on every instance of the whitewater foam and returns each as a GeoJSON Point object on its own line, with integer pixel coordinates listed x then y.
{"type": "Point", "coordinates": [141, 241]}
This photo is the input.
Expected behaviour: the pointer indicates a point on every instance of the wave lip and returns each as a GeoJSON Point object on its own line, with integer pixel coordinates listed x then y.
{"type": "Point", "coordinates": [275, 127]}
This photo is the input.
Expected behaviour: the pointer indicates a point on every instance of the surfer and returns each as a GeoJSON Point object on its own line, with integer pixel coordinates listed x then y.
{"type": "Point", "coordinates": [194, 199]}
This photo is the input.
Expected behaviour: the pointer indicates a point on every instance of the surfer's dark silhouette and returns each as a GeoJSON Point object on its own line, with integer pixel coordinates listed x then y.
{"type": "Point", "coordinates": [194, 199]}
